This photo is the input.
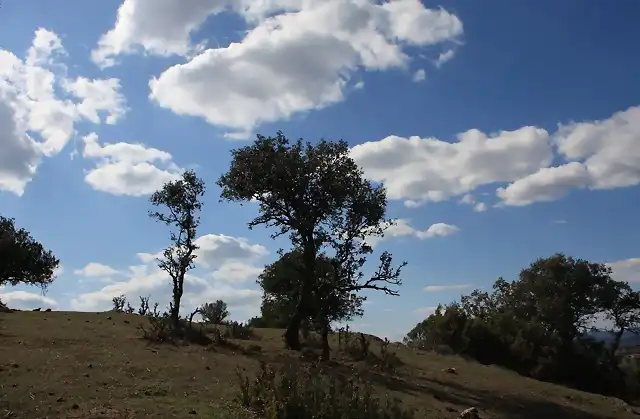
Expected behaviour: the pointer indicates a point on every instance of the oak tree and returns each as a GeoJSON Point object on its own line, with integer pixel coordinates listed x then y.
{"type": "Point", "coordinates": [317, 195]}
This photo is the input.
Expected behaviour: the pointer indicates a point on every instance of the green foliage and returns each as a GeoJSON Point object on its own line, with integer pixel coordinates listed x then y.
{"type": "Point", "coordinates": [537, 325]}
{"type": "Point", "coordinates": [214, 313]}
{"type": "Point", "coordinates": [299, 392]}
{"type": "Point", "coordinates": [23, 260]}
{"type": "Point", "coordinates": [180, 203]}
{"type": "Point", "coordinates": [317, 195]}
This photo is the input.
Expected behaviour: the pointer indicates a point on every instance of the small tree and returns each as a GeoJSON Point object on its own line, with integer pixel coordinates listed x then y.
{"type": "Point", "coordinates": [23, 260]}
{"type": "Point", "coordinates": [119, 303]}
{"type": "Point", "coordinates": [327, 302]}
{"type": "Point", "coordinates": [318, 196]}
{"type": "Point", "coordinates": [180, 203]}
{"type": "Point", "coordinates": [214, 313]}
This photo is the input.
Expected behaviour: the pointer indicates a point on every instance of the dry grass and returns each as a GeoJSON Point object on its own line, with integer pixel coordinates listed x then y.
{"type": "Point", "coordinates": [84, 365]}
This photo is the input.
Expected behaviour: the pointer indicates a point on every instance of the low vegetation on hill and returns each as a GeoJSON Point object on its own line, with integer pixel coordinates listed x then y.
{"type": "Point", "coordinates": [521, 351]}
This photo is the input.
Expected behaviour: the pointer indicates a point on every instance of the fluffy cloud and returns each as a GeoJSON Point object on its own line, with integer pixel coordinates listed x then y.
{"type": "Point", "coordinates": [440, 288]}
{"type": "Point", "coordinates": [233, 263]}
{"type": "Point", "coordinates": [24, 300]}
{"type": "Point", "coordinates": [232, 257]}
{"type": "Point", "coordinates": [286, 63]}
{"type": "Point", "coordinates": [429, 169]}
{"type": "Point", "coordinates": [403, 228]}
{"type": "Point", "coordinates": [626, 270]}
{"type": "Point", "coordinates": [100, 95]}
{"type": "Point", "coordinates": [127, 169]}
{"type": "Point", "coordinates": [94, 269]}
{"type": "Point", "coordinates": [597, 155]}
{"type": "Point", "coordinates": [34, 120]}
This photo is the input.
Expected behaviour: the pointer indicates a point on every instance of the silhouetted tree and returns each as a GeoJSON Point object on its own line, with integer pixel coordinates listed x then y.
{"type": "Point", "coordinates": [23, 260]}
{"type": "Point", "coordinates": [179, 204]}
{"type": "Point", "coordinates": [538, 325]}
{"type": "Point", "coordinates": [318, 196]}
{"type": "Point", "coordinates": [214, 313]}
{"type": "Point", "coordinates": [327, 302]}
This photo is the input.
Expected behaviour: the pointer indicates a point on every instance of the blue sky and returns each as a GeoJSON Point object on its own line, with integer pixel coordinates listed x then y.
{"type": "Point", "coordinates": [504, 131]}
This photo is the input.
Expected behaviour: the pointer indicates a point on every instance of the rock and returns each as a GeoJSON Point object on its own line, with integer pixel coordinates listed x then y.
{"type": "Point", "coordinates": [470, 413]}
{"type": "Point", "coordinates": [75, 407]}
{"type": "Point", "coordinates": [192, 412]}
{"type": "Point", "coordinates": [450, 370]}
{"type": "Point", "coordinates": [109, 318]}
{"type": "Point", "coordinates": [127, 321]}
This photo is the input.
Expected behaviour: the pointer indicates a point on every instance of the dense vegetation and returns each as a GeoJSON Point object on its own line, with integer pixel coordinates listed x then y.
{"type": "Point", "coordinates": [538, 325]}
{"type": "Point", "coordinates": [316, 195]}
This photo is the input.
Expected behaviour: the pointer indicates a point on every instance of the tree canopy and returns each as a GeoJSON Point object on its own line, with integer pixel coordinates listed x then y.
{"type": "Point", "coordinates": [23, 260]}
{"type": "Point", "coordinates": [317, 195]}
{"type": "Point", "coordinates": [539, 325]}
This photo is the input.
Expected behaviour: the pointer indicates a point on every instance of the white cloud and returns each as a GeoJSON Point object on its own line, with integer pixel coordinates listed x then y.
{"type": "Point", "coordinates": [444, 58]}
{"type": "Point", "coordinates": [293, 62]}
{"type": "Point", "coordinates": [217, 249]}
{"type": "Point", "coordinates": [438, 230]}
{"type": "Point", "coordinates": [34, 120]}
{"type": "Point", "coordinates": [403, 228]}
{"type": "Point", "coordinates": [100, 95]}
{"type": "Point", "coordinates": [228, 261]}
{"type": "Point", "coordinates": [160, 27]}
{"type": "Point", "coordinates": [24, 300]}
{"type": "Point", "coordinates": [597, 155]}
{"type": "Point", "coordinates": [468, 199]}
{"type": "Point", "coordinates": [418, 76]}
{"type": "Point", "coordinates": [233, 257]}
{"type": "Point", "coordinates": [440, 288]}
{"type": "Point", "coordinates": [94, 269]}
{"type": "Point", "coordinates": [428, 169]}
{"type": "Point", "coordinates": [127, 169]}
{"type": "Point", "coordinates": [626, 270]}
{"type": "Point", "coordinates": [548, 184]}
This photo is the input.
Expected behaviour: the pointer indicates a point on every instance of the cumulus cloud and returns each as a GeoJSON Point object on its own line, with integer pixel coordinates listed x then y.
{"type": "Point", "coordinates": [296, 55]}
{"type": "Point", "coordinates": [34, 120]}
{"type": "Point", "coordinates": [126, 168]}
{"type": "Point", "coordinates": [403, 228]}
{"type": "Point", "coordinates": [597, 155]}
{"type": "Point", "coordinates": [228, 259]}
{"type": "Point", "coordinates": [23, 300]}
{"type": "Point", "coordinates": [94, 269]}
{"type": "Point", "coordinates": [232, 257]}
{"type": "Point", "coordinates": [626, 270]}
{"type": "Point", "coordinates": [429, 169]}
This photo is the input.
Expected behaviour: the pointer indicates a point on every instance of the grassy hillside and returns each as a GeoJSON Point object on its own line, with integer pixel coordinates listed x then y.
{"type": "Point", "coordinates": [95, 365]}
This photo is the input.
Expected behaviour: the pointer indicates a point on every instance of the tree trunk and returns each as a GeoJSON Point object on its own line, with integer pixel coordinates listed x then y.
{"type": "Point", "coordinates": [325, 341]}
{"type": "Point", "coordinates": [615, 345]}
{"type": "Point", "coordinates": [177, 297]}
{"type": "Point", "coordinates": [292, 334]}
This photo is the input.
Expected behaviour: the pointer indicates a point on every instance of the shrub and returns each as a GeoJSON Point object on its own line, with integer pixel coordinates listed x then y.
{"type": "Point", "coordinates": [308, 392]}
{"type": "Point", "coordinates": [238, 330]}
{"type": "Point", "coordinates": [162, 329]}
{"type": "Point", "coordinates": [214, 313]}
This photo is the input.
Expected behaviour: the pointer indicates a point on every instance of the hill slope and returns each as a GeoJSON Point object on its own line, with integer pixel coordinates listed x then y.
{"type": "Point", "coordinates": [88, 365]}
